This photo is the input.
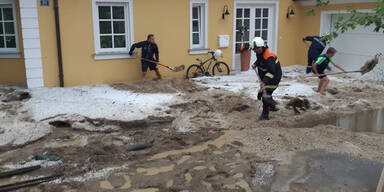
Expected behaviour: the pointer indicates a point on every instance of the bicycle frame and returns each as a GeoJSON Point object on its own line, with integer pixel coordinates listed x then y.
{"type": "Point", "coordinates": [210, 60]}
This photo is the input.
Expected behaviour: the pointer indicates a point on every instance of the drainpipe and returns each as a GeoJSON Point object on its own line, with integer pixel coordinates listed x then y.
{"type": "Point", "coordinates": [58, 41]}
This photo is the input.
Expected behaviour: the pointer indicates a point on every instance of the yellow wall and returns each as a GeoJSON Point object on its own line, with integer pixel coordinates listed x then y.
{"type": "Point", "coordinates": [311, 24]}
{"type": "Point", "coordinates": [288, 30]}
{"type": "Point", "coordinates": [170, 24]}
{"type": "Point", "coordinates": [12, 71]}
{"type": "Point", "coordinates": [48, 44]}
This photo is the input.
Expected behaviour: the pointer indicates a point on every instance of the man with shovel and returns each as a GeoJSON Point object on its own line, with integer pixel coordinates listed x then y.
{"type": "Point", "coordinates": [269, 73]}
{"type": "Point", "coordinates": [149, 48]}
{"type": "Point", "coordinates": [317, 47]}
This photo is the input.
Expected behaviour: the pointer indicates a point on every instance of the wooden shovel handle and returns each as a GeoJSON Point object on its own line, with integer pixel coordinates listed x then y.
{"type": "Point", "coordinates": [157, 63]}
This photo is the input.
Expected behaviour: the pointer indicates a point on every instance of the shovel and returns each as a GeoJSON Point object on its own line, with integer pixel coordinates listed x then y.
{"type": "Point", "coordinates": [367, 67]}
{"type": "Point", "coordinates": [174, 69]}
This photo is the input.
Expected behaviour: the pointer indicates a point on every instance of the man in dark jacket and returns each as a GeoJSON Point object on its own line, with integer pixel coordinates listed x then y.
{"type": "Point", "coordinates": [317, 47]}
{"type": "Point", "coordinates": [149, 49]}
{"type": "Point", "coordinates": [269, 71]}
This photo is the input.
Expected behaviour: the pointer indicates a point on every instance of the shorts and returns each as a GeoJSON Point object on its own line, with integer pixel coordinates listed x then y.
{"type": "Point", "coordinates": [322, 76]}
{"type": "Point", "coordinates": [145, 65]}
{"type": "Point", "coordinates": [320, 73]}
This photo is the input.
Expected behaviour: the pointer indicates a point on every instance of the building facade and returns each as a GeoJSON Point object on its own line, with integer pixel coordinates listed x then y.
{"type": "Point", "coordinates": [87, 41]}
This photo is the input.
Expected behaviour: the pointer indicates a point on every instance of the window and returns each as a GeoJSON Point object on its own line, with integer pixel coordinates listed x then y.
{"type": "Point", "coordinates": [113, 28]}
{"type": "Point", "coordinates": [8, 29]}
{"type": "Point", "coordinates": [199, 26]}
{"type": "Point", "coordinates": [242, 27]}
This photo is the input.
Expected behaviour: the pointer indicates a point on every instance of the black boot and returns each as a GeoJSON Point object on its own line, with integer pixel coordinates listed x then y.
{"type": "Point", "coordinates": [265, 114]}
{"type": "Point", "coordinates": [273, 108]}
{"type": "Point", "coordinates": [263, 117]}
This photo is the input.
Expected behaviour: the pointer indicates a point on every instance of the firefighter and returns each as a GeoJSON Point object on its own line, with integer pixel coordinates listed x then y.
{"type": "Point", "coordinates": [269, 71]}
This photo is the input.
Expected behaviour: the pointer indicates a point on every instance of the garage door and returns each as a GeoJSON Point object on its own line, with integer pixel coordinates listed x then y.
{"type": "Point", "coordinates": [357, 46]}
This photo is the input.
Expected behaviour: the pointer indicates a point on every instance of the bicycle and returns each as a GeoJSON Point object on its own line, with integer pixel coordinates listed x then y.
{"type": "Point", "coordinates": [198, 70]}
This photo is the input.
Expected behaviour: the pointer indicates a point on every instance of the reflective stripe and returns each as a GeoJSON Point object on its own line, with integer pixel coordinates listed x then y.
{"type": "Point", "coordinates": [263, 69]}
{"type": "Point", "coordinates": [277, 61]}
{"type": "Point", "coordinates": [270, 86]}
{"type": "Point", "coordinates": [270, 75]}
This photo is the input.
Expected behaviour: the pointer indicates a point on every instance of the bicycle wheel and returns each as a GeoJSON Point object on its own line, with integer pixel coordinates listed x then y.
{"type": "Point", "coordinates": [194, 71]}
{"type": "Point", "coordinates": [220, 68]}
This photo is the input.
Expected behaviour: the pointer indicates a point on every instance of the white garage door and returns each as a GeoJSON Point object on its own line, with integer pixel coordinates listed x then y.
{"type": "Point", "coordinates": [357, 46]}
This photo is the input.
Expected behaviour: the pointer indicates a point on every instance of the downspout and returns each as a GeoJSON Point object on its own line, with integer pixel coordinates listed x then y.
{"type": "Point", "coordinates": [58, 41]}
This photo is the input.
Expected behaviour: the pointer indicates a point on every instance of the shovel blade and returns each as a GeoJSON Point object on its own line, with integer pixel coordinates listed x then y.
{"type": "Point", "coordinates": [178, 68]}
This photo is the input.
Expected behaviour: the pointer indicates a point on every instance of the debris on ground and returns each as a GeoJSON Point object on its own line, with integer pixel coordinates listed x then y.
{"type": "Point", "coordinates": [19, 171]}
{"type": "Point", "coordinates": [46, 157]}
{"type": "Point", "coordinates": [137, 146]}
{"type": "Point", "coordinates": [333, 91]}
{"type": "Point", "coordinates": [16, 96]}
{"type": "Point", "coordinates": [297, 103]}
{"type": "Point", "coordinates": [60, 124]}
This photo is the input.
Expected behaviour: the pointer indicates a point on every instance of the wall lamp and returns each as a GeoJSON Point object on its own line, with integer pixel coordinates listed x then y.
{"type": "Point", "coordinates": [225, 12]}
{"type": "Point", "coordinates": [290, 12]}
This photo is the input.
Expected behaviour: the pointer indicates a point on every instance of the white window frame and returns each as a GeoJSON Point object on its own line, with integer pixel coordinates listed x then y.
{"type": "Point", "coordinates": [113, 53]}
{"type": "Point", "coordinates": [202, 48]}
{"type": "Point", "coordinates": [11, 52]}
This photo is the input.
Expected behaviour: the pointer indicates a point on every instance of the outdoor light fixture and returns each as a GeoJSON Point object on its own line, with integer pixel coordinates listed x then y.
{"type": "Point", "coordinates": [225, 12]}
{"type": "Point", "coordinates": [290, 12]}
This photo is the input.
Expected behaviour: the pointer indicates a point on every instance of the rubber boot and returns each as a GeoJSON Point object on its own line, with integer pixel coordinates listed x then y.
{"type": "Point", "coordinates": [273, 108]}
{"type": "Point", "coordinates": [265, 114]}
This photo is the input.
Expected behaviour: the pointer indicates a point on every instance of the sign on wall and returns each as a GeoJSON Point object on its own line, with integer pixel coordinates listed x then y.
{"type": "Point", "coordinates": [44, 2]}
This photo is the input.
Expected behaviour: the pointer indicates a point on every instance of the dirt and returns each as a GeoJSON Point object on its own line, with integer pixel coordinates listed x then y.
{"type": "Point", "coordinates": [210, 141]}
{"type": "Point", "coordinates": [163, 86]}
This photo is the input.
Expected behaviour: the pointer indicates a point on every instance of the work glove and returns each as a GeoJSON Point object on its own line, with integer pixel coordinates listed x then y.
{"type": "Point", "coordinates": [260, 94]}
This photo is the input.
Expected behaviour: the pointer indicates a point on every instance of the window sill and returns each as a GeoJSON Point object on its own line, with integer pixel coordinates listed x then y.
{"type": "Point", "coordinates": [10, 55]}
{"type": "Point", "coordinates": [112, 55]}
{"type": "Point", "coordinates": [198, 51]}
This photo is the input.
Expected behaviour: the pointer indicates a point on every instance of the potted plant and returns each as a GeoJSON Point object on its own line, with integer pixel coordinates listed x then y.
{"type": "Point", "coordinates": [245, 53]}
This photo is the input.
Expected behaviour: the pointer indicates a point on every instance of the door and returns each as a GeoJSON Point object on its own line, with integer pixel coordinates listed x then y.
{"type": "Point", "coordinates": [354, 47]}
{"type": "Point", "coordinates": [253, 21]}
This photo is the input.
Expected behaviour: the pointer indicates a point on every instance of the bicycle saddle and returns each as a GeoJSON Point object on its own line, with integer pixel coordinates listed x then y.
{"type": "Point", "coordinates": [199, 59]}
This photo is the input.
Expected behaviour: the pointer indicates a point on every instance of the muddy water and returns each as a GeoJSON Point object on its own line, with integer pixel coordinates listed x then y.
{"type": "Point", "coordinates": [319, 170]}
{"type": "Point", "coordinates": [366, 121]}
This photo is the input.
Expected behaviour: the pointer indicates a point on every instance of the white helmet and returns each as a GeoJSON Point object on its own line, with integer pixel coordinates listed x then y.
{"type": "Point", "coordinates": [257, 42]}
{"type": "Point", "coordinates": [217, 53]}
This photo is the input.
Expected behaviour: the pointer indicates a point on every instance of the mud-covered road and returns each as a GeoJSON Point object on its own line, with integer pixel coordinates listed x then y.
{"type": "Point", "coordinates": [206, 139]}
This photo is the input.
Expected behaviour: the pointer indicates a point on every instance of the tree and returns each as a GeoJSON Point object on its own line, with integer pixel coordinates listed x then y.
{"type": "Point", "coordinates": [342, 24]}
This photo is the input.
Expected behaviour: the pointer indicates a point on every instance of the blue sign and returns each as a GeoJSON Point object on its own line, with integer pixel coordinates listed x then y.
{"type": "Point", "coordinates": [44, 2]}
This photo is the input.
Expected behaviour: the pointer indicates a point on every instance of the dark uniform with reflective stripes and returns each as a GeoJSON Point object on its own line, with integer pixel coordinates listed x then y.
{"type": "Point", "coordinates": [270, 73]}
{"type": "Point", "coordinates": [316, 48]}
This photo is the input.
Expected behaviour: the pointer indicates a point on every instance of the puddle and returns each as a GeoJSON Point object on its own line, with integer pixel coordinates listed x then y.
{"type": "Point", "coordinates": [363, 121]}
{"type": "Point", "coordinates": [320, 170]}
{"type": "Point", "coordinates": [366, 121]}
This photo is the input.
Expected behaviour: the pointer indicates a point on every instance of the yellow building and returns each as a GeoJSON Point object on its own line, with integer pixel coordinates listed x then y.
{"type": "Point", "coordinates": [90, 39]}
